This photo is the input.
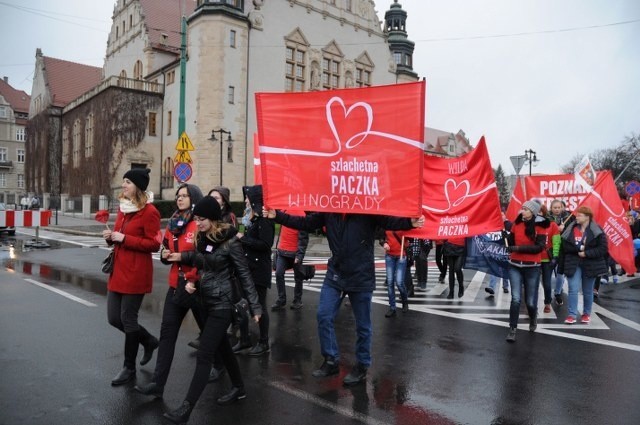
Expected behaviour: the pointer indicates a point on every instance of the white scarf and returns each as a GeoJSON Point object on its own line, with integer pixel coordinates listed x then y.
{"type": "Point", "coordinates": [126, 206]}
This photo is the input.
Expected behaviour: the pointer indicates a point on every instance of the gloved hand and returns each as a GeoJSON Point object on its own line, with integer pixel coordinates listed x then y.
{"type": "Point", "coordinates": [554, 262]}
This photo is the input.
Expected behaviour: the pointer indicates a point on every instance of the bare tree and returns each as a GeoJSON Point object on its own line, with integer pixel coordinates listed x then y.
{"type": "Point", "coordinates": [623, 161]}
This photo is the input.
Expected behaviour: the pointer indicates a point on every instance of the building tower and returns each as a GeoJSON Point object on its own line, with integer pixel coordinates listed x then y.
{"type": "Point", "coordinates": [395, 26]}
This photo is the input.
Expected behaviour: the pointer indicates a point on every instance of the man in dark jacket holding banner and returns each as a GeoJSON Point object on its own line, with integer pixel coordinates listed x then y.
{"type": "Point", "coordinates": [350, 271]}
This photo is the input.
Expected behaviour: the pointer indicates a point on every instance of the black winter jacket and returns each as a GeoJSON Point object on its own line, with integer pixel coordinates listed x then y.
{"type": "Point", "coordinates": [351, 267]}
{"type": "Point", "coordinates": [218, 263]}
{"type": "Point", "coordinates": [258, 239]}
{"type": "Point", "coordinates": [595, 249]}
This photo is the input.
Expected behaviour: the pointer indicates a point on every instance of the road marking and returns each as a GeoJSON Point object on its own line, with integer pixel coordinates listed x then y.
{"type": "Point", "coordinates": [61, 292]}
{"type": "Point", "coordinates": [318, 401]}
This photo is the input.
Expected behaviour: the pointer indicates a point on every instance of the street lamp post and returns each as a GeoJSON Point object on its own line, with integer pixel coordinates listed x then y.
{"type": "Point", "coordinates": [213, 138]}
{"type": "Point", "coordinates": [530, 155]}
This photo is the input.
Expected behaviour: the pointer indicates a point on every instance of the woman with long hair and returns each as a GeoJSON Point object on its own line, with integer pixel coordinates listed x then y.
{"type": "Point", "coordinates": [583, 257]}
{"type": "Point", "coordinates": [218, 257]}
{"type": "Point", "coordinates": [525, 245]}
{"type": "Point", "coordinates": [135, 236]}
{"type": "Point", "coordinates": [178, 237]}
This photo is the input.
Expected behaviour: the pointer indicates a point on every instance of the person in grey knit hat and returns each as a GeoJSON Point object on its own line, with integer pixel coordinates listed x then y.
{"type": "Point", "coordinates": [532, 205]}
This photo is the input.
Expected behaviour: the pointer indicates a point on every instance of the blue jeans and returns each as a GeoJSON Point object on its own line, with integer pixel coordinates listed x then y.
{"type": "Point", "coordinates": [529, 277]}
{"type": "Point", "coordinates": [559, 283]}
{"type": "Point", "coordinates": [575, 282]}
{"type": "Point", "coordinates": [493, 282]}
{"type": "Point", "coordinates": [328, 307]}
{"type": "Point", "coordinates": [396, 269]}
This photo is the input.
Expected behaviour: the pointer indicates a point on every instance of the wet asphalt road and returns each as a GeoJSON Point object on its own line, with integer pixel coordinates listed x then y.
{"type": "Point", "coordinates": [58, 356]}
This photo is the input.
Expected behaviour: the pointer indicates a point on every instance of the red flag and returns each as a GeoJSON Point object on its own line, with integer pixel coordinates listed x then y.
{"type": "Point", "coordinates": [609, 213]}
{"type": "Point", "coordinates": [516, 201]}
{"type": "Point", "coordinates": [257, 170]}
{"type": "Point", "coordinates": [351, 150]}
{"type": "Point", "coordinates": [459, 196]}
{"type": "Point", "coordinates": [546, 189]}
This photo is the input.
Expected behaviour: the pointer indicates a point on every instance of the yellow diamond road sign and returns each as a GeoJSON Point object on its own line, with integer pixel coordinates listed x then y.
{"type": "Point", "coordinates": [184, 143]}
{"type": "Point", "coordinates": [183, 156]}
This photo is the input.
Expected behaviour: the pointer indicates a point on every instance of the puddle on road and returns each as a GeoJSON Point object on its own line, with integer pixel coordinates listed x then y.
{"type": "Point", "coordinates": [11, 248]}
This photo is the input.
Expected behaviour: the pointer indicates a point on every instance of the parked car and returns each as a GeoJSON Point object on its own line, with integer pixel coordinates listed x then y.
{"type": "Point", "coordinates": [9, 229]}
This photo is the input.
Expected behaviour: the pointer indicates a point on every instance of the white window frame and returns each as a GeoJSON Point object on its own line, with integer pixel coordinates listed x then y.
{"type": "Point", "coordinates": [4, 154]}
{"type": "Point", "coordinates": [20, 156]}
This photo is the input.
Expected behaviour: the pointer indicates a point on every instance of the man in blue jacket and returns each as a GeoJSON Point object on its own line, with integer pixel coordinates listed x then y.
{"type": "Point", "coordinates": [350, 271]}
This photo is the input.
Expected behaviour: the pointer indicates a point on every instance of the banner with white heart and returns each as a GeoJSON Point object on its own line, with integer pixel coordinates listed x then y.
{"type": "Point", "coordinates": [349, 151]}
{"type": "Point", "coordinates": [459, 196]}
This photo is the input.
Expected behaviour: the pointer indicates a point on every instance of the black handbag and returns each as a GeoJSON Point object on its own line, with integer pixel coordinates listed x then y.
{"type": "Point", "coordinates": [308, 271]}
{"type": "Point", "coordinates": [107, 263]}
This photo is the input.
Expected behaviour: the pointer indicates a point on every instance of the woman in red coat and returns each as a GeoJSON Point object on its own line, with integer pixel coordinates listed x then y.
{"type": "Point", "coordinates": [135, 236]}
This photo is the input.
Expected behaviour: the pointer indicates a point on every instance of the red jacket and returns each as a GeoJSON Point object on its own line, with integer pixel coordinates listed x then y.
{"type": "Point", "coordinates": [132, 267]}
{"type": "Point", "coordinates": [394, 244]}
{"type": "Point", "coordinates": [186, 242]}
{"type": "Point", "coordinates": [289, 237]}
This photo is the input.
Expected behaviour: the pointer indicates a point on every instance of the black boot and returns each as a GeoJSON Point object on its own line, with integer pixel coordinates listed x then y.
{"type": "Point", "coordinates": [150, 343]}
{"type": "Point", "coordinates": [450, 296]}
{"type": "Point", "coordinates": [357, 375]}
{"type": "Point", "coordinates": [243, 343]}
{"type": "Point", "coordinates": [460, 290]}
{"type": "Point", "coordinates": [151, 389]}
{"type": "Point", "coordinates": [181, 414]}
{"type": "Point", "coordinates": [329, 367]}
{"type": "Point", "coordinates": [124, 376]}
{"type": "Point", "coordinates": [232, 396]}
{"type": "Point", "coordinates": [128, 372]}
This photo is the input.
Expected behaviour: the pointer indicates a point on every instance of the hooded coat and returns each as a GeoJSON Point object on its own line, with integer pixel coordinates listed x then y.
{"type": "Point", "coordinates": [258, 239]}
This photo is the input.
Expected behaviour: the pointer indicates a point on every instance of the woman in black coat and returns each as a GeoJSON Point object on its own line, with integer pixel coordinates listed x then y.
{"type": "Point", "coordinates": [257, 241]}
{"type": "Point", "coordinates": [218, 257]}
{"type": "Point", "coordinates": [583, 257]}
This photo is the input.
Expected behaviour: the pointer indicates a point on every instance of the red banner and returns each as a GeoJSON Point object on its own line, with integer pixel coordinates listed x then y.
{"type": "Point", "coordinates": [610, 213]}
{"type": "Point", "coordinates": [257, 169]}
{"type": "Point", "coordinates": [459, 196]}
{"type": "Point", "coordinates": [351, 150]}
{"type": "Point", "coordinates": [545, 189]}
{"type": "Point", "coordinates": [607, 207]}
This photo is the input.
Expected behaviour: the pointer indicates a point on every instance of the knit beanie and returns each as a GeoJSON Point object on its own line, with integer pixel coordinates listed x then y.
{"type": "Point", "coordinates": [139, 177]}
{"type": "Point", "coordinates": [209, 208]}
{"type": "Point", "coordinates": [533, 206]}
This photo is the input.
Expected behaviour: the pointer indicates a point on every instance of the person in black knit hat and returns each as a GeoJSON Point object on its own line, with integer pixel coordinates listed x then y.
{"type": "Point", "coordinates": [218, 257]}
{"type": "Point", "coordinates": [134, 238]}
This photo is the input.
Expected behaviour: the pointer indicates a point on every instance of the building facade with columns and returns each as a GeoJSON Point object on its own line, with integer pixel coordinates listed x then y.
{"type": "Point", "coordinates": [234, 49]}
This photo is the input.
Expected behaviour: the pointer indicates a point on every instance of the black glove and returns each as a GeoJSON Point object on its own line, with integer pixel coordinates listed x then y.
{"type": "Point", "coordinates": [554, 262]}
{"type": "Point", "coordinates": [512, 248]}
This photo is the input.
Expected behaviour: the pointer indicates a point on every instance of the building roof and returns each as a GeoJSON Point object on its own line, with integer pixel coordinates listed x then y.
{"type": "Point", "coordinates": [69, 80]}
{"type": "Point", "coordinates": [163, 19]}
{"type": "Point", "coordinates": [18, 99]}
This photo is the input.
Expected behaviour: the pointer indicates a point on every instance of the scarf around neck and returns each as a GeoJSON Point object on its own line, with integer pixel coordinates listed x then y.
{"type": "Point", "coordinates": [126, 206]}
{"type": "Point", "coordinates": [178, 221]}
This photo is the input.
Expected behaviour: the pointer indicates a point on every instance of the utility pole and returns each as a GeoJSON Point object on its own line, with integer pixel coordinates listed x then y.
{"type": "Point", "coordinates": [183, 71]}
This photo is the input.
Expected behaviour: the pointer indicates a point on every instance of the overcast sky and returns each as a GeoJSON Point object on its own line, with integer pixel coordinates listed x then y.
{"type": "Point", "coordinates": [559, 77]}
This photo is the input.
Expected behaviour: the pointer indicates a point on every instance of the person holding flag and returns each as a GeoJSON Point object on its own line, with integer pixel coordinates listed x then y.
{"type": "Point", "coordinates": [583, 257]}
{"type": "Point", "coordinates": [525, 245]}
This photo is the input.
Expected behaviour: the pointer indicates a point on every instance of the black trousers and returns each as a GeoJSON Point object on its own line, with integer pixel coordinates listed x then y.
{"type": "Point", "coordinates": [172, 317]}
{"type": "Point", "coordinates": [214, 339]}
{"type": "Point", "coordinates": [282, 265]}
{"type": "Point", "coordinates": [263, 324]}
{"type": "Point", "coordinates": [122, 314]}
{"type": "Point", "coordinates": [441, 261]}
